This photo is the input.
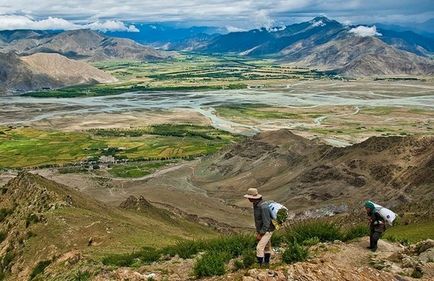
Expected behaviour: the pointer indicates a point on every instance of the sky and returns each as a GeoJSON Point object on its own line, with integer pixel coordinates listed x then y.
{"type": "Point", "coordinates": [244, 14]}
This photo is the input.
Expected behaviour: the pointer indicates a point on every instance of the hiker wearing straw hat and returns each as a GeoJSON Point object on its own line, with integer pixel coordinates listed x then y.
{"type": "Point", "coordinates": [263, 224]}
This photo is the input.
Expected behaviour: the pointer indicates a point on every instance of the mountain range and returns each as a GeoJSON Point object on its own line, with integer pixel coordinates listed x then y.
{"type": "Point", "coordinates": [320, 43]}
{"type": "Point", "coordinates": [83, 44]}
{"type": "Point", "coordinates": [330, 45]}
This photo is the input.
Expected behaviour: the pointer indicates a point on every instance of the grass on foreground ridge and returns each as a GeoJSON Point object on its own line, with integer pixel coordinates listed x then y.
{"type": "Point", "coordinates": [219, 251]}
{"type": "Point", "coordinates": [295, 240]}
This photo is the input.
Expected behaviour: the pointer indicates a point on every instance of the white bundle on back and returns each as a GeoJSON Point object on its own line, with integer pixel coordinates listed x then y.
{"type": "Point", "coordinates": [274, 208]}
{"type": "Point", "coordinates": [388, 215]}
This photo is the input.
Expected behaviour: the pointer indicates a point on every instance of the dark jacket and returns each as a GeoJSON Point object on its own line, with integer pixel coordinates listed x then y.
{"type": "Point", "coordinates": [262, 217]}
{"type": "Point", "coordinates": [377, 222]}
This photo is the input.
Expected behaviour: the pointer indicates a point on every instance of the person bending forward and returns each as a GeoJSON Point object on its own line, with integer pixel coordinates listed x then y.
{"type": "Point", "coordinates": [263, 224]}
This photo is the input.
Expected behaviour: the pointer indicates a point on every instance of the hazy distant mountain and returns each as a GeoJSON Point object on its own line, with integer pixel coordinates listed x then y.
{"type": "Point", "coordinates": [408, 41]}
{"type": "Point", "coordinates": [43, 71]}
{"type": "Point", "coordinates": [78, 44]}
{"type": "Point", "coordinates": [167, 35]}
{"type": "Point", "coordinates": [425, 28]}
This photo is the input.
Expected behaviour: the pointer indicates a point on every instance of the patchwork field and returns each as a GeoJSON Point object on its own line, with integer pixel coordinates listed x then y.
{"type": "Point", "coordinates": [26, 147]}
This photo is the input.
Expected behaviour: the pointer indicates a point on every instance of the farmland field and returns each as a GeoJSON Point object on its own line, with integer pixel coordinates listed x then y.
{"type": "Point", "coordinates": [27, 147]}
{"type": "Point", "coordinates": [187, 72]}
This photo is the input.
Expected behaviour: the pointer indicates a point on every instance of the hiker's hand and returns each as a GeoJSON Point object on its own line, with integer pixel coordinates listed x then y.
{"type": "Point", "coordinates": [258, 236]}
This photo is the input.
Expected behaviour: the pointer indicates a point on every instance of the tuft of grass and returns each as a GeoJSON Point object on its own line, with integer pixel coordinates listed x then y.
{"type": "Point", "coordinates": [355, 232]}
{"type": "Point", "coordinates": [324, 231]}
{"type": "Point", "coordinates": [294, 253]}
{"type": "Point", "coordinates": [211, 264]}
{"type": "Point", "coordinates": [39, 268]}
{"type": "Point", "coordinates": [311, 241]}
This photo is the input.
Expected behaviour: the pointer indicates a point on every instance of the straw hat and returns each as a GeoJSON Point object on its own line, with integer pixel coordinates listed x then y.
{"type": "Point", "coordinates": [252, 193]}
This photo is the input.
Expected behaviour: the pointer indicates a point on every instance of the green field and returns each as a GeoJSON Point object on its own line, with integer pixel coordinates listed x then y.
{"type": "Point", "coordinates": [186, 72]}
{"type": "Point", "coordinates": [26, 147]}
{"type": "Point", "coordinates": [411, 232]}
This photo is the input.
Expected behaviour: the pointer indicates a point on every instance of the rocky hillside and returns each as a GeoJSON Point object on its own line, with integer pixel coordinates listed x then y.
{"type": "Point", "coordinates": [15, 75]}
{"type": "Point", "coordinates": [358, 56]}
{"type": "Point", "coordinates": [45, 71]}
{"type": "Point", "coordinates": [80, 44]}
{"type": "Point", "coordinates": [67, 71]}
{"type": "Point", "coordinates": [302, 173]}
{"type": "Point", "coordinates": [43, 222]}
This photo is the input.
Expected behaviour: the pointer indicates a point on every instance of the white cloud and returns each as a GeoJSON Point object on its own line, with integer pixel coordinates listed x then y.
{"type": "Point", "coordinates": [262, 19]}
{"type": "Point", "coordinates": [11, 22]}
{"type": "Point", "coordinates": [365, 31]}
{"type": "Point", "coordinates": [246, 14]}
{"type": "Point", "coordinates": [111, 25]}
{"type": "Point", "coordinates": [231, 28]}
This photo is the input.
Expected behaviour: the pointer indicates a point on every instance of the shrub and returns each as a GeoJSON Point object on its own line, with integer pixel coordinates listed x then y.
{"type": "Point", "coordinates": [32, 219]}
{"type": "Point", "coordinates": [7, 259]}
{"type": "Point", "coordinates": [82, 276]}
{"type": "Point", "coordinates": [118, 260]}
{"type": "Point", "coordinates": [238, 265]}
{"type": "Point", "coordinates": [356, 232]}
{"type": "Point", "coordinates": [211, 264]}
{"type": "Point", "coordinates": [144, 256]}
{"type": "Point", "coordinates": [324, 231]}
{"type": "Point", "coordinates": [417, 273]}
{"type": "Point", "coordinates": [4, 213]}
{"type": "Point", "coordinates": [184, 249]}
{"type": "Point", "coordinates": [2, 236]}
{"type": "Point", "coordinates": [294, 253]}
{"type": "Point", "coordinates": [39, 268]}
{"type": "Point", "coordinates": [278, 238]}
{"type": "Point", "coordinates": [234, 245]}
{"type": "Point", "coordinates": [249, 258]}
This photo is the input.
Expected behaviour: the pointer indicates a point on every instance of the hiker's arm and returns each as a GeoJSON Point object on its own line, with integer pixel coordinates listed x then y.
{"type": "Point", "coordinates": [266, 220]}
{"type": "Point", "coordinates": [378, 219]}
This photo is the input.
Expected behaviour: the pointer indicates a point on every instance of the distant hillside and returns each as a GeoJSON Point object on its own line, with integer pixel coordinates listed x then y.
{"type": "Point", "coordinates": [46, 222]}
{"type": "Point", "coordinates": [358, 56]}
{"type": "Point", "coordinates": [78, 44]}
{"type": "Point", "coordinates": [330, 45]}
{"type": "Point", "coordinates": [40, 71]}
{"type": "Point", "coordinates": [303, 173]}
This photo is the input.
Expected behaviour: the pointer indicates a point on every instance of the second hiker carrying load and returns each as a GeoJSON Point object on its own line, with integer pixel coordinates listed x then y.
{"type": "Point", "coordinates": [388, 215]}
